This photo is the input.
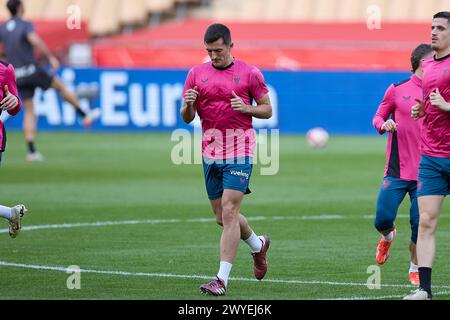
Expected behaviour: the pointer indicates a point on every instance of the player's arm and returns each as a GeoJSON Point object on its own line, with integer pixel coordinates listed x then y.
{"type": "Point", "coordinates": [37, 42]}
{"type": "Point", "coordinates": [188, 109]}
{"type": "Point", "coordinates": [263, 109]}
{"type": "Point", "coordinates": [381, 120]}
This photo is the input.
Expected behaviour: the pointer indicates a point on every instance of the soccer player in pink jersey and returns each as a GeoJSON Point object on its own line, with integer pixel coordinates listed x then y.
{"type": "Point", "coordinates": [221, 93]}
{"type": "Point", "coordinates": [434, 168]}
{"type": "Point", "coordinates": [402, 159]}
{"type": "Point", "coordinates": [10, 103]}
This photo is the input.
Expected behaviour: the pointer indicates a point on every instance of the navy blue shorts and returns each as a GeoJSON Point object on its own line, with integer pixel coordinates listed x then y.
{"type": "Point", "coordinates": [434, 176]}
{"type": "Point", "coordinates": [39, 79]}
{"type": "Point", "coordinates": [392, 193]}
{"type": "Point", "coordinates": [231, 174]}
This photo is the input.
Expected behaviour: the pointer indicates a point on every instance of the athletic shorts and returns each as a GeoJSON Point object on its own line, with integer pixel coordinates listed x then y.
{"type": "Point", "coordinates": [434, 176]}
{"type": "Point", "coordinates": [28, 84]}
{"type": "Point", "coordinates": [231, 174]}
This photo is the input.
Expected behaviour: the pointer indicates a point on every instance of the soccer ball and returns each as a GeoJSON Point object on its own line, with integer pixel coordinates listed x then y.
{"type": "Point", "coordinates": [317, 137]}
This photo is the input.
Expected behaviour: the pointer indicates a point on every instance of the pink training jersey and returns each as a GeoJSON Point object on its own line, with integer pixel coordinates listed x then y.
{"type": "Point", "coordinates": [226, 133]}
{"type": "Point", "coordinates": [436, 123]}
{"type": "Point", "coordinates": [402, 152]}
{"type": "Point", "coordinates": [7, 78]}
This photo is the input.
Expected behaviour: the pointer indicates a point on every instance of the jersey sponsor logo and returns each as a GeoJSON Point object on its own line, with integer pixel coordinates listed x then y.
{"type": "Point", "coordinates": [406, 97]}
{"type": "Point", "coordinates": [240, 174]}
{"type": "Point", "coordinates": [204, 80]}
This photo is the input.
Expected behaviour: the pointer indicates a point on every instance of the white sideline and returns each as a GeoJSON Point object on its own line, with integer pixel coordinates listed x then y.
{"type": "Point", "coordinates": [199, 220]}
{"type": "Point", "coordinates": [159, 221]}
{"type": "Point", "coordinates": [183, 276]}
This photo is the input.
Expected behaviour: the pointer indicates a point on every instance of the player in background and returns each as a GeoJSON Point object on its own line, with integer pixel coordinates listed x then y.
{"type": "Point", "coordinates": [434, 169]}
{"type": "Point", "coordinates": [402, 159]}
{"type": "Point", "coordinates": [11, 103]}
{"type": "Point", "coordinates": [221, 92]}
{"type": "Point", "coordinates": [19, 39]}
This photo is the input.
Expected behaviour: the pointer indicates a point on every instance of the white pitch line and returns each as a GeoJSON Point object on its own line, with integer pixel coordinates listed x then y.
{"type": "Point", "coordinates": [198, 220]}
{"type": "Point", "coordinates": [181, 276]}
{"type": "Point", "coordinates": [160, 221]}
{"type": "Point", "coordinates": [441, 293]}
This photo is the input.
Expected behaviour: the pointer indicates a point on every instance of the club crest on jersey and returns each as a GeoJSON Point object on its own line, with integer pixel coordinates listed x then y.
{"type": "Point", "coordinates": [406, 97]}
{"type": "Point", "coordinates": [204, 80]}
{"type": "Point", "coordinates": [236, 80]}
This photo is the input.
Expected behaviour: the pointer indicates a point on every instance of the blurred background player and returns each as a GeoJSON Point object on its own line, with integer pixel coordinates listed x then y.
{"type": "Point", "coordinates": [434, 168]}
{"type": "Point", "coordinates": [221, 92]}
{"type": "Point", "coordinates": [19, 39]}
{"type": "Point", "coordinates": [11, 103]}
{"type": "Point", "coordinates": [402, 159]}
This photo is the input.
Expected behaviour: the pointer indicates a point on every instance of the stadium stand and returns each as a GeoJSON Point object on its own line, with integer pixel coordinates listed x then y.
{"type": "Point", "coordinates": [109, 17]}
{"type": "Point", "coordinates": [55, 9]}
{"type": "Point", "coordinates": [293, 29]}
{"type": "Point", "coordinates": [132, 14]}
{"type": "Point", "coordinates": [35, 9]}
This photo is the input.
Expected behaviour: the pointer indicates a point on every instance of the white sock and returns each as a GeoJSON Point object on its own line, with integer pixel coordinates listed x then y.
{"type": "Point", "coordinates": [254, 242]}
{"type": "Point", "coordinates": [413, 267]}
{"type": "Point", "coordinates": [389, 237]}
{"type": "Point", "coordinates": [5, 212]}
{"type": "Point", "coordinates": [224, 271]}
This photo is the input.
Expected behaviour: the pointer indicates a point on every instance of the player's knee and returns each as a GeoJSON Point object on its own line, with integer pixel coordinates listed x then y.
{"type": "Point", "coordinates": [383, 223]}
{"type": "Point", "coordinates": [427, 221]}
{"type": "Point", "coordinates": [229, 214]}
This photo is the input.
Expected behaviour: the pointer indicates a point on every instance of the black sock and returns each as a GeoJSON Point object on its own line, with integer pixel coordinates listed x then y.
{"type": "Point", "coordinates": [31, 148]}
{"type": "Point", "coordinates": [81, 112]}
{"type": "Point", "coordinates": [425, 279]}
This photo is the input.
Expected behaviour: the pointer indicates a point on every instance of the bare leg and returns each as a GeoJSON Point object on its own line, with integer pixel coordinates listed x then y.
{"type": "Point", "coordinates": [412, 251]}
{"type": "Point", "coordinates": [66, 94]}
{"type": "Point", "coordinates": [29, 121]}
{"type": "Point", "coordinates": [245, 229]}
{"type": "Point", "coordinates": [429, 209]}
{"type": "Point", "coordinates": [231, 234]}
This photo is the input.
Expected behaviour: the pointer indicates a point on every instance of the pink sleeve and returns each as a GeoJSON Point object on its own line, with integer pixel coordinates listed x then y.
{"type": "Point", "coordinates": [258, 87]}
{"type": "Point", "coordinates": [385, 109]}
{"type": "Point", "coordinates": [190, 81]}
{"type": "Point", "coordinates": [10, 81]}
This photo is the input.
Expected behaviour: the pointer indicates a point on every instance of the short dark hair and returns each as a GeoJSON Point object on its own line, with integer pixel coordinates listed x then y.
{"type": "Point", "coordinates": [443, 14]}
{"type": "Point", "coordinates": [217, 31]}
{"type": "Point", "coordinates": [418, 54]}
{"type": "Point", "coordinates": [13, 6]}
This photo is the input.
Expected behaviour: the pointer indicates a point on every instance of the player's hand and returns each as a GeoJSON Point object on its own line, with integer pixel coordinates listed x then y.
{"type": "Point", "coordinates": [190, 96]}
{"type": "Point", "coordinates": [9, 101]}
{"type": "Point", "coordinates": [438, 101]}
{"type": "Point", "coordinates": [54, 63]}
{"type": "Point", "coordinates": [418, 110]}
{"type": "Point", "coordinates": [237, 103]}
{"type": "Point", "coordinates": [389, 126]}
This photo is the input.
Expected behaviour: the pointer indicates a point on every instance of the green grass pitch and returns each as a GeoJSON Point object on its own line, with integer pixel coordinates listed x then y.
{"type": "Point", "coordinates": [153, 241]}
